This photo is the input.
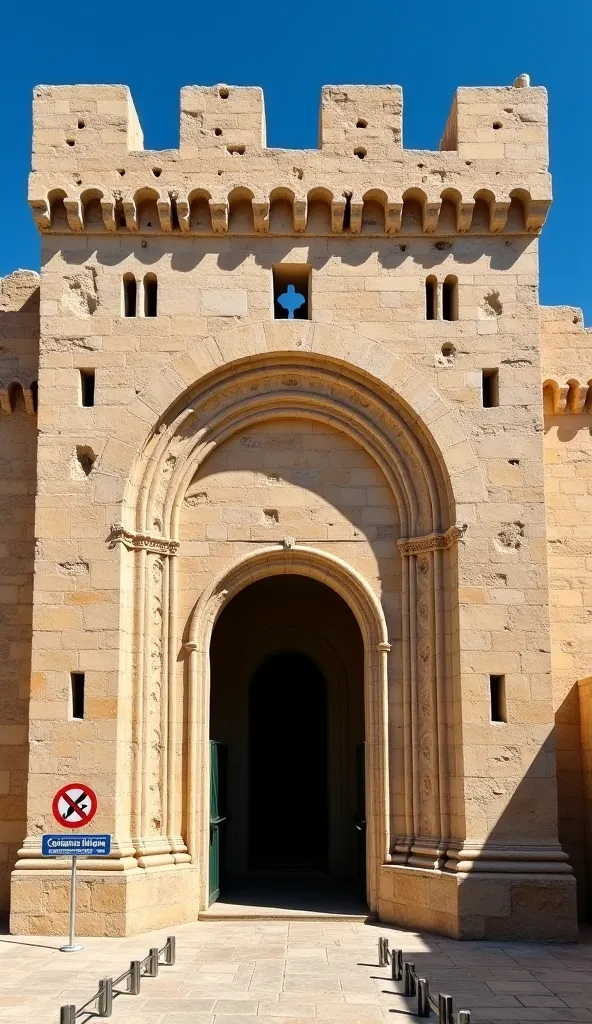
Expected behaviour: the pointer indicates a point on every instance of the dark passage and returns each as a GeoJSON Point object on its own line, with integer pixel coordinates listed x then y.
{"type": "Point", "coordinates": [288, 765]}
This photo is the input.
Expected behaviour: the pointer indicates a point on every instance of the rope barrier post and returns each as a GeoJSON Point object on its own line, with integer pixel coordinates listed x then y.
{"type": "Point", "coordinates": [464, 1017]}
{"type": "Point", "coordinates": [408, 977]}
{"type": "Point", "coordinates": [67, 1014]}
{"type": "Point", "coordinates": [383, 952]}
{"type": "Point", "coordinates": [423, 998]}
{"type": "Point", "coordinates": [170, 951]}
{"type": "Point", "coordinates": [445, 1009]}
{"type": "Point", "coordinates": [135, 977]}
{"type": "Point", "coordinates": [105, 997]}
{"type": "Point", "coordinates": [153, 962]}
{"type": "Point", "coordinates": [397, 964]}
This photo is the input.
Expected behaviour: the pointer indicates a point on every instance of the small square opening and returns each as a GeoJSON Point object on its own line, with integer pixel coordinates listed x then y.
{"type": "Point", "coordinates": [291, 291]}
{"type": "Point", "coordinates": [490, 388]}
{"type": "Point", "coordinates": [87, 387]}
{"type": "Point", "coordinates": [497, 698]}
{"type": "Point", "coordinates": [77, 695]}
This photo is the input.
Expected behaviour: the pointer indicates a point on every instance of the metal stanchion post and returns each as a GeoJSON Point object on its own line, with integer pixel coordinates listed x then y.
{"type": "Point", "coordinates": [423, 1002]}
{"type": "Point", "coordinates": [383, 952]}
{"type": "Point", "coordinates": [408, 969]}
{"type": "Point", "coordinates": [135, 976]}
{"type": "Point", "coordinates": [105, 999]}
{"type": "Point", "coordinates": [171, 950]}
{"type": "Point", "coordinates": [397, 964]}
{"type": "Point", "coordinates": [153, 962]}
{"type": "Point", "coordinates": [72, 946]}
{"type": "Point", "coordinates": [67, 1014]}
{"type": "Point", "coordinates": [445, 1012]}
{"type": "Point", "coordinates": [464, 1017]}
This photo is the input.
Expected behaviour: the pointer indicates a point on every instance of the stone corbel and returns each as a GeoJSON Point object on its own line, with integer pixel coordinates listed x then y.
{"type": "Point", "coordinates": [392, 218]}
{"type": "Point", "coordinates": [219, 215]}
{"type": "Point", "coordinates": [355, 218]}
{"type": "Point", "coordinates": [431, 215]}
{"type": "Point", "coordinates": [41, 212]}
{"type": "Point", "coordinates": [108, 213]}
{"type": "Point", "coordinates": [498, 215]}
{"type": "Point", "coordinates": [431, 542]}
{"type": "Point", "coordinates": [28, 397]}
{"type": "Point", "coordinates": [130, 211]}
{"type": "Point", "coordinates": [5, 401]}
{"type": "Point", "coordinates": [74, 214]}
{"type": "Point", "coordinates": [184, 215]}
{"type": "Point", "coordinates": [300, 214]}
{"type": "Point", "coordinates": [261, 215]}
{"type": "Point", "coordinates": [142, 541]}
{"type": "Point", "coordinates": [165, 213]}
{"type": "Point", "coordinates": [464, 217]}
{"type": "Point", "coordinates": [535, 214]}
{"type": "Point", "coordinates": [337, 213]}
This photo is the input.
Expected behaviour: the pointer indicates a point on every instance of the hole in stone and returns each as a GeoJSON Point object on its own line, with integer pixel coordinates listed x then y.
{"type": "Point", "coordinates": [236, 149]}
{"type": "Point", "coordinates": [360, 152]}
{"type": "Point", "coordinates": [87, 388]}
{"type": "Point", "coordinates": [157, 171]}
{"type": "Point", "coordinates": [86, 458]}
{"type": "Point", "coordinates": [79, 181]}
{"type": "Point", "coordinates": [271, 515]}
{"type": "Point", "coordinates": [361, 123]}
{"type": "Point", "coordinates": [224, 92]}
{"type": "Point", "coordinates": [468, 162]}
{"type": "Point", "coordinates": [217, 131]}
{"type": "Point", "coordinates": [497, 124]}
{"type": "Point", "coordinates": [81, 124]}
{"type": "Point", "coordinates": [299, 173]}
{"type": "Point", "coordinates": [514, 462]}
{"type": "Point", "coordinates": [421, 166]}
{"type": "Point", "coordinates": [509, 110]}
{"type": "Point", "coordinates": [69, 142]}
{"type": "Point", "coordinates": [490, 388]}
{"type": "Point", "coordinates": [576, 320]}
{"type": "Point", "coordinates": [121, 171]}
{"type": "Point", "coordinates": [220, 172]}
{"type": "Point", "coordinates": [448, 350]}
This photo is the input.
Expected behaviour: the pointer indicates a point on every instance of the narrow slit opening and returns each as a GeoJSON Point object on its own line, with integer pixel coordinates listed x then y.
{"type": "Point", "coordinates": [150, 295]}
{"type": "Point", "coordinates": [431, 298]}
{"type": "Point", "coordinates": [87, 388]}
{"type": "Point", "coordinates": [497, 698]}
{"type": "Point", "coordinates": [490, 388]}
{"type": "Point", "coordinates": [77, 695]}
{"type": "Point", "coordinates": [130, 289]}
{"type": "Point", "coordinates": [450, 299]}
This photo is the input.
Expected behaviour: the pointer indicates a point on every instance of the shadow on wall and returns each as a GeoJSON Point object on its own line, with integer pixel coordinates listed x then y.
{"type": "Point", "coordinates": [529, 814]}
{"type": "Point", "coordinates": [19, 358]}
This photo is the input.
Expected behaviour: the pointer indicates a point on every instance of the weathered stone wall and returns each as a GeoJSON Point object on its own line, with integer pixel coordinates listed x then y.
{"type": "Point", "coordinates": [210, 222]}
{"type": "Point", "coordinates": [19, 354]}
{"type": "Point", "coordinates": [567, 367]}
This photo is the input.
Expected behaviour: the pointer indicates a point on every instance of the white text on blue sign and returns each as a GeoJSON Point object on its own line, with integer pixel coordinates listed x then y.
{"type": "Point", "coordinates": [75, 846]}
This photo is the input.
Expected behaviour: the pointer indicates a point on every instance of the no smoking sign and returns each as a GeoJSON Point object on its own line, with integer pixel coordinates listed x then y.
{"type": "Point", "coordinates": [74, 805]}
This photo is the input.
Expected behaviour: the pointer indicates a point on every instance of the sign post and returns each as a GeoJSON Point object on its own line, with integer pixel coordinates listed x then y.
{"type": "Point", "coordinates": [74, 806]}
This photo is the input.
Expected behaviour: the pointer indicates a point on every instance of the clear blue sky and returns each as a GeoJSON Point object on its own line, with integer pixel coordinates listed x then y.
{"type": "Point", "coordinates": [291, 50]}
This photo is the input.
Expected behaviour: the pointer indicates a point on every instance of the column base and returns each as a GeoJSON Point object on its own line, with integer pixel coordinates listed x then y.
{"type": "Point", "coordinates": [472, 905]}
{"type": "Point", "coordinates": [110, 903]}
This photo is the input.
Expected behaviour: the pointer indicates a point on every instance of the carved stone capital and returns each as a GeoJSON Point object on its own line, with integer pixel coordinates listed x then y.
{"type": "Point", "coordinates": [142, 541]}
{"type": "Point", "coordinates": [432, 542]}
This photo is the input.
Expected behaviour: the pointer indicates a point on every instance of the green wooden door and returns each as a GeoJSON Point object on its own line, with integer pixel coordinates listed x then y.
{"type": "Point", "coordinates": [360, 816]}
{"type": "Point", "coordinates": [217, 814]}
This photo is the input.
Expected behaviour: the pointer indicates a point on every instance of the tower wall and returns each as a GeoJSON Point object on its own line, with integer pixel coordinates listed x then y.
{"type": "Point", "coordinates": [373, 225]}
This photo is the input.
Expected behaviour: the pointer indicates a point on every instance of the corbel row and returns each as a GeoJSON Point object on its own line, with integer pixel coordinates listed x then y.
{"type": "Point", "coordinates": [568, 396]}
{"type": "Point", "coordinates": [121, 210]}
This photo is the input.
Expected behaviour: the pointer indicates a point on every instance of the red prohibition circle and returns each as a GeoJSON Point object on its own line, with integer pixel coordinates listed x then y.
{"type": "Point", "coordinates": [74, 805]}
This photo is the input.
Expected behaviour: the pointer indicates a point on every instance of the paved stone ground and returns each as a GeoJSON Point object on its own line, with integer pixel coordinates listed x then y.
{"type": "Point", "coordinates": [266, 972]}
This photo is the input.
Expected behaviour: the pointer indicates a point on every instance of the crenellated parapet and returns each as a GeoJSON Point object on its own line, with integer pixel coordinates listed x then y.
{"type": "Point", "coordinates": [91, 173]}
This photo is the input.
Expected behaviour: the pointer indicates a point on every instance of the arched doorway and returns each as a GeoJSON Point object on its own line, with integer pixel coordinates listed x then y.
{"type": "Point", "coordinates": [287, 719]}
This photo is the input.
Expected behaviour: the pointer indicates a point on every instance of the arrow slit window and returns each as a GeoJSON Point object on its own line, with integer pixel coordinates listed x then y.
{"type": "Point", "coordinates": [292, 291]}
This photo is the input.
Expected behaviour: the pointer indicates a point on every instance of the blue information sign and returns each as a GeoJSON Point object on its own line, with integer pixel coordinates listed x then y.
{"type": "Point", "coordinates": [76, 846]}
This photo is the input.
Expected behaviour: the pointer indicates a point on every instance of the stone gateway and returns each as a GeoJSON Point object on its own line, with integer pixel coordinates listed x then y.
{"type": "Point", "coordinates": [295, 517]}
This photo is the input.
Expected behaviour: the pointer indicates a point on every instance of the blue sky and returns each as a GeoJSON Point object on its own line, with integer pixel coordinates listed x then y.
{"type": "Point", "coordinates": [291, 50]}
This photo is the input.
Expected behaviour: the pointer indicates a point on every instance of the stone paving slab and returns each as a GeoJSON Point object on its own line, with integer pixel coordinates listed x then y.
{"type": "Point", "coordinates": [297, 972]}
